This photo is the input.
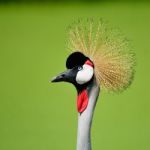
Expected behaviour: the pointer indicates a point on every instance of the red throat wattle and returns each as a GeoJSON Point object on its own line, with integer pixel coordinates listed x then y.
{"type": "Point", "coordinates": [82, 101]}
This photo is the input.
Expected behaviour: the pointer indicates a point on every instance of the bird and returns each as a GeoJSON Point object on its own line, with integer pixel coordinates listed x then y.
{"type": "Point", "coordinates": [100, 58]}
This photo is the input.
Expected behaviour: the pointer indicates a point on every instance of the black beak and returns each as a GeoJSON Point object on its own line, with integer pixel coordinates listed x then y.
{"type": "Point", "coordinates": [65, 76]}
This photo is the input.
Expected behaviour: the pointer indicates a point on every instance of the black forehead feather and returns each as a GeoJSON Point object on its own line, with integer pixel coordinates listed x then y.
{"type": "Point", "coordinates": [75, 59]}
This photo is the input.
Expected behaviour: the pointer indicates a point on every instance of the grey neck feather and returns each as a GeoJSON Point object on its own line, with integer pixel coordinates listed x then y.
{"type": "Point", "coordinates": [85, 118]}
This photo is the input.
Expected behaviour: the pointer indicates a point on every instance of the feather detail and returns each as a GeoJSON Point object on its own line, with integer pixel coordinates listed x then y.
{"type": "Point", "coordinates": [109, 50]}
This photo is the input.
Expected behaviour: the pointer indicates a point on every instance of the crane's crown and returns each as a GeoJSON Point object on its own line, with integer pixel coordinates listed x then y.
{"type": "Point", "coordinates": [113, 59]}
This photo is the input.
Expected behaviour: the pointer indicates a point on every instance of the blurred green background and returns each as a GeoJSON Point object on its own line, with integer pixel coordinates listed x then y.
{"type": "Point", "coordinates": [38, 115]}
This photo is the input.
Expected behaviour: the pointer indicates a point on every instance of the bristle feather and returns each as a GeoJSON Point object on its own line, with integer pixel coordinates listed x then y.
{"type": "Point", "coordinates": [109, 50]}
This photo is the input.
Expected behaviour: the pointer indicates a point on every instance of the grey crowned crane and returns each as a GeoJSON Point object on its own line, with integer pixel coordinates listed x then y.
{"type": "Point", "coordinates": [101, 58]}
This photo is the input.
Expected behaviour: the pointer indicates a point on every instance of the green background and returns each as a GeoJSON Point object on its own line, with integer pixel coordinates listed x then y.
{"type": "Point", "coordinates": [38, 115]}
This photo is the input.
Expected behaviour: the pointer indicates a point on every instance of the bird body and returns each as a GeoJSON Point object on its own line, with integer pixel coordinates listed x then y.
{"type": "Point", "coordinates": [85, 118]}
{"type": "Point", "coordinates": [100, 59]}
{"type": "Point", "coordinates": [81, 75]}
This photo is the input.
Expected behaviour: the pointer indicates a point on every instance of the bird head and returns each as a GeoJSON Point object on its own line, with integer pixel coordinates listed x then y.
{"type": "Point", "coordinates": [80, 70]}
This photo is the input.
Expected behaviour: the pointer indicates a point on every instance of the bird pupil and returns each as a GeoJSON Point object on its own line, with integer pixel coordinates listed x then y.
{"type": "Point", "coordinates": [79, 68]}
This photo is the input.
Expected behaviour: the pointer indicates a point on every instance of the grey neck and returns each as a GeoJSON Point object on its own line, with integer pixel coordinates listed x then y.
{"type": "Point", "coordinates": [85, 118]}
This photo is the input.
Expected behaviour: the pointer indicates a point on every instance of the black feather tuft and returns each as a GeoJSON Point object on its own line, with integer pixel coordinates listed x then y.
{"type": "Point", "coordinates": [75, 59]}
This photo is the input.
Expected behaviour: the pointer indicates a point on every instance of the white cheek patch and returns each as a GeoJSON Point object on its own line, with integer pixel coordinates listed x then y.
{"type": "Point", "coordinates": [85, 74]}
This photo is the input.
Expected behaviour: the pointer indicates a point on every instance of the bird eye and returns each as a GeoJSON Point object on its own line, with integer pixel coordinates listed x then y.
{"type": "Point", "coordinates": [80, 68]}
